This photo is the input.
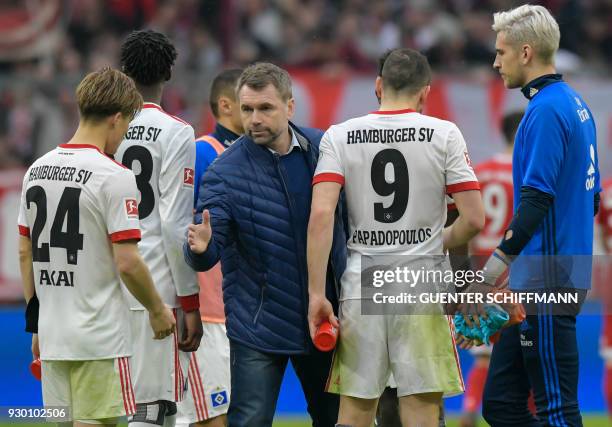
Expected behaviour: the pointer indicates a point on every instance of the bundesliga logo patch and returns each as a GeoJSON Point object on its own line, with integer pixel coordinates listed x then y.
{"type": "Point", "coordinates": [467, 158]}
{"type": "Point", "coordinates": [219, 398]}
{"type": "Point", "coordinates": [188, 177]}
{"type": "Point", "coordinates": [131, 208]}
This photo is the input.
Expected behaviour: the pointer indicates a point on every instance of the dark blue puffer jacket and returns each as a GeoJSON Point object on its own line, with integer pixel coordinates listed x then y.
{"type": "Point", "coordinates": [265, 285]}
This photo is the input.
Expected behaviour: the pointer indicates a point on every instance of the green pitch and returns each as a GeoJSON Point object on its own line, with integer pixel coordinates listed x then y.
{"type": "Point", "coordinates": [589, 421]}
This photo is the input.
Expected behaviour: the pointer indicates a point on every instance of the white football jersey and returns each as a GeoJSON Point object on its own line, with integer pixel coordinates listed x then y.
{"type": "Point", "coordinates": [396, 168]}
{"type": "Point", "coordinates": [75, 201]}
{"type": "Point", "coordinates": [160, 149]}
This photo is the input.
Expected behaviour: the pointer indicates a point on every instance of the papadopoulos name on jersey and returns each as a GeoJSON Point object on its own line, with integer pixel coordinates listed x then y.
{"type": "Point", "coordinates": [389, 136]}
{"type": "Point", "coordinates": [391, 237]}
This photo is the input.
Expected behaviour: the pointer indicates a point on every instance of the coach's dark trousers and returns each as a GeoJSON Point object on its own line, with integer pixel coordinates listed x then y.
{"type": "Point", "coordinates": [256, 381]}
{"type": "Point", "coordinates": [540, 354]}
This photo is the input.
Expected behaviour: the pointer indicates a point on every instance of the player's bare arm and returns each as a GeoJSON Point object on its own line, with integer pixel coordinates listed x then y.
{"type": "Point", "coordinates": [320, 231]}
{"type": "Point", "coordinates": [137, 279]}
{"type": "Point", "coordinates": [199, 235]}
{"type": "Point", "coordinates": [459, 255]}
{"type": "Point", "coordinates": [27, 279]}
{"type": "Point", "coordinates": [460, 260]}
{"type": "Point", "coordinates": [175, 203]}
{"type": "Point", "coordinates": [26, 267]}
{"type": "Point", "coordinates": [470, 222]}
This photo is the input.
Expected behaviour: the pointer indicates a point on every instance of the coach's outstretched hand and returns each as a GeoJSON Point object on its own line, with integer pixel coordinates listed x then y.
{"type": "Point", "coordinates": [319, 310]}
{"type": "Point", "coordinates": [199, 235]}
{"type": "Point", "coordinates": [192, 331]}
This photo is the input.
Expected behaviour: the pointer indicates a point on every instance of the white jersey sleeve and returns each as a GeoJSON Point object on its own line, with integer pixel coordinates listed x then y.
{"type": "Point", "coordinates": [176, 180]}
{"type": "Point", "coordinates": [458, 168]}
{"type": "Point", "coordinates": [330, 167]}
{"type": "Point", "coordinates": [121, 208]}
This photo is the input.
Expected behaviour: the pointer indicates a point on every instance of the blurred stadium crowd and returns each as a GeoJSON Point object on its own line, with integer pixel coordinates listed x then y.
{"type": "Point", "coordinates": [46, 46]}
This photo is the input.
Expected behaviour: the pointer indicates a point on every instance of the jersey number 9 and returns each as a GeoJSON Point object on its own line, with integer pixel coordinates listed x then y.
{"type": "Point", "coordinates": [399, 187]}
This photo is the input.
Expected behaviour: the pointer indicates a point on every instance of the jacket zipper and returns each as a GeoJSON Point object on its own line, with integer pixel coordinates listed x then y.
{"type": "Point", "coordinates": [291, 210]}
{"type": "Point", "coordinates": [312, 166]}
{"type": "Point", "coordinates": [261, 300]}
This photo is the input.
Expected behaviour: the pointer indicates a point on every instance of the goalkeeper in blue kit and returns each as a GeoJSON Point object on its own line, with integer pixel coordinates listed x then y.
{"type": "Point", "coordinates": [549, 241]}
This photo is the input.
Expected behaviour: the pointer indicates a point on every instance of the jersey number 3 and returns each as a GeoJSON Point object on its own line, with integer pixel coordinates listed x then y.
{"type": "Point", "coordinates": [147, 196]}
{"type": "Point", "coordinates": [67, 212]}
{"type": "Point", "coordinates": [399, 187]}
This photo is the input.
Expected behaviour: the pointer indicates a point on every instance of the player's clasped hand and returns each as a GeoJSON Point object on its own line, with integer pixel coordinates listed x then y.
{"type": "Point", "coordinates": [192, 331]}
{"type": "Point", "coordinates": [472, 311]}
{"type": "Point", "coordinates": [198, 235]}
{"type": "Point", "coordinates": [464, 343]}
{"type": "Point", "coordinates": [162, 323]}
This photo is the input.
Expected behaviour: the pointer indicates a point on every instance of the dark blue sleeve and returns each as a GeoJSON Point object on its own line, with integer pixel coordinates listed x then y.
{"type": "Point", "coordinates": [532, 209]}
{"type": "Point", "coordinates": [214, 197]}
{"type": "Point", "coordinates": [545, 139]}
{"type": "Point", "coordinates": [205, 155]}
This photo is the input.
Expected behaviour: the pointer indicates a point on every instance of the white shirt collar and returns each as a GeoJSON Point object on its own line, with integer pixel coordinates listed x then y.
{"type": "Point", "coordinates": [294, 143]}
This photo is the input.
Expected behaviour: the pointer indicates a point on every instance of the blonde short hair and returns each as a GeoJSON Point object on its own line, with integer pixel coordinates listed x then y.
{"type": "Point", "coordinates": [533, 25]}
{"type": "Point", "coordinates": [106, 92]}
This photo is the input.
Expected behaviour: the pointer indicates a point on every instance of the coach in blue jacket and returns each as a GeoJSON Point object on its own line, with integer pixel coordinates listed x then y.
{"type": "Point", "coordinates": [253, 215]}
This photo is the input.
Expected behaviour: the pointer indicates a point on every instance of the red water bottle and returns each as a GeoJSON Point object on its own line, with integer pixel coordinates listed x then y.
{"type": "Point", "coordinates": [35, 368]}
{"type": "Point", "coordinates": [326, 336]}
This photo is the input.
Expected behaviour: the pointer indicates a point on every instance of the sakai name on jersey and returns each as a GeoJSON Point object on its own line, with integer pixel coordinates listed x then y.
{"type": "Point", "coordinates": [389, 136]}
{"type": "Point", "coordinates": [57, 278]}
{"type": "Point", "coordinates": [143, 133]}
